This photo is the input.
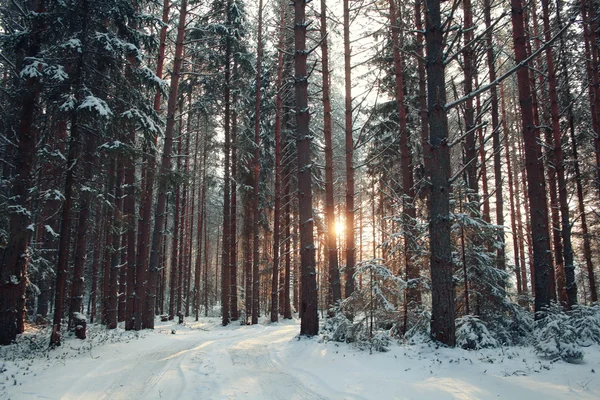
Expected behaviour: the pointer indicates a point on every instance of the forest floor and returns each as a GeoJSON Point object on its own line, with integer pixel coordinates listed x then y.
{"type": "Point", "coordinates": [203, 360]}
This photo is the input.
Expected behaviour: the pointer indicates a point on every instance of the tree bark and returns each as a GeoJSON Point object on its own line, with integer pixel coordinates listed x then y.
{"type": "Point", "coordinates": [309, 324]}
{"type": "Point", "coordinates": [413, 293]}
{"type": "Point", "coordinates": [535, 180]}
{"type": "Point", "coordinates": [443, 311]}
{"type": "Point", "coordinates": [148, 311]}
{"type": "Point", "coordinates": [348, 127]}
{"type": "Point", "coordinates": [335, 291]}
{"type": "Point", "coordinates": [15, 260]}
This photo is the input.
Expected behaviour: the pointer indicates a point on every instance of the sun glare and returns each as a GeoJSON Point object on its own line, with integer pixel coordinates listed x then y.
{"type": "Point", "coordinates": [339, 227]}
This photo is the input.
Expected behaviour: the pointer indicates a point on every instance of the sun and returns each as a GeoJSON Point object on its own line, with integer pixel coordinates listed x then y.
{"type": "Point", "coordinates": [340, 227]}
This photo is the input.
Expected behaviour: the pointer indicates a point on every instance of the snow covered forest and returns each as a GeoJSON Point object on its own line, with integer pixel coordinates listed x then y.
{"type": "Point", "coordinates": [375, 178]}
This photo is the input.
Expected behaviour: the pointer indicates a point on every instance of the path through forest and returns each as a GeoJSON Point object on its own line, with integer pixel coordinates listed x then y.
{"type": "Point", "coordinates": [206, 361]}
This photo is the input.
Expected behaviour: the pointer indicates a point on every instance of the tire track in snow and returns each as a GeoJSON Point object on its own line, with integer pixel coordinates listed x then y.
{"type": "Point", "coordinates": [252, 357]}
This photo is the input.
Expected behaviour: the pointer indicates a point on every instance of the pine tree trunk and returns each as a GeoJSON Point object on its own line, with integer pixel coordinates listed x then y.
{"type": "Point", "coordinates": [423, 110]}
{"type": "Point", "coordinates": [147, 313]}
{"type": "Point", "coordinates": [287, 307]}
{"type": "Point", "coordinates": [15, 260]}
{"type": "Point", "coordinates": [443, 312]}
{"type": "Point", "coordinates": [77, 286]}
{"type": "Point", "coordinates": [496, 142]}
{"type": "Point", "coordinates": [309, 324]}
{"type": "Point", "coordinates": [569, 267]}
{"type": "Point", "coordinates": [247, 254]}
{"type": "Point", "coordinates": [349, 223]}
{"type": "Point", "coordinates": [277, 291]}
{"type": "Point", "coordinates": [413, 293]}
{"type": "Point", "coordinates": [521, 283]}
{"type": "Point", "coordinates": [201, 222]}
{"type": "Point", "coordinates": [226, 242]}
{"type": "Point", "coordinates": [335, 291]}
{"type": "Point", "coordinates": [65, 234]}
{"type": "Point", "coordinates": [112, 253]}
{"type": "Point", "coordinates": [536, 187]}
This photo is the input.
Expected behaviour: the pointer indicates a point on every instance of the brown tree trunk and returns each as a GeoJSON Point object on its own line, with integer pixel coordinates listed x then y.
{"type": "Point", "coordinates": [77, 285]}
{"type": "Point", "coordinates": [99, 227]}
{"type": "Point", "coordinates": [65, 234]}
{"type": "Point", "coordinates": [247, 254]}
{"type": "Point", "coordinates": [536, 183]}
{"type": "Point", "coordinates": [276, 304]}
{"type": "Point", "coordinates": [335, 291]}
{"type": "Point", "coordinates": [496, 142]}
{"type": "Point", "coordinates": [413, 293]}
{"type": "Point", "coordinates": [423, 110]}
{"type": "Point", "coordinates": [587, 252]}
{"type": "Point", "coordinates": [233, 294]}
{"type": "Point", "coordinates": [443, 310]}
{"type": "Point", "coordinates": [309, 324]}
{"type": "Point", "coordinates": [349, 223]}
{"type": "Point", "coordinates": [201, 222]}
{"type": "Point", "coordinates": [226, 242]}
{"type": "Point", "coordinates": [165, 167]}
{"type": "Point", "coordinates": [137, 305]}
{"type": "Point", "coordinates": [569, 267]}
{"type": "Point", "coordinates": [15, 260]}
{"type": "Point", "coordinates": [521, 283]}
{"type": "Point", "coordinates": [256, 170]}
{"type": "Point", "coordinates": [112, 253]}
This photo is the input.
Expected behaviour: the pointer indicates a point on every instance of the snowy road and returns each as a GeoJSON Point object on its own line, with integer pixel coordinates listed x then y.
{"type": "Point", "coordinates": [206, 361]}
{"type": "Point", "coordinates": [219, 364]}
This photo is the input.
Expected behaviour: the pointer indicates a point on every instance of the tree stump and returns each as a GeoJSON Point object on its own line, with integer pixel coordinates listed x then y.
{"type": "Point", "coordinates": [79, 324]}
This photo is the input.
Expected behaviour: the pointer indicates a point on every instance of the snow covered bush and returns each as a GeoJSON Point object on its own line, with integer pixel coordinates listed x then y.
{"type": "Point", "coordinates": [420, 330]}
{"type": "Point", "coordinates": [337, 327]}
{"type": "Point", "coordinates": [586, 322]}
{"type": "Point", "coordinates": [472, 334]}
{"type": "Point", "coordinates": [556, 337]}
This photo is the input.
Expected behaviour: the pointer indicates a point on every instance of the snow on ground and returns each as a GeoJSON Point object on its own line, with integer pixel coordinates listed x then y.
{"type": "Point", "coordinates": [203, 360]}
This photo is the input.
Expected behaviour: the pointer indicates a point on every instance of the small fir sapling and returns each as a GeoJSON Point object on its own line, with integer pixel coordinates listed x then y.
{"type": "Point", "coordinates": [473, 334]}
{"type": "Point", "coordinates": [586, 322]}
{"type": "Point", "coordinates": [556, 337]}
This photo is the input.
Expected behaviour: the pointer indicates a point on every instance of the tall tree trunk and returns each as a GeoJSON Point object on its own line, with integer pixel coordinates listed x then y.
{"type": "Point", "coordinates": [15, 260]}
{"type": "Point", "coordinates": [348, 127]}
{"type": "Point", "coordinates": [77, 285]}
{"type": "Point", "coordinates": [496, 143]}
{"type": "Point", "coordinates": [233, 294]}
{"type": "Point", "coordinates": [113, 253]}
{"type": "Point", "coordinates": [108, 226]}
{"type": "Point", "coordinates": [201, 222]}
{"type": "Point", "coordinates": [226, 243]}
{"type": "Point", "coordinates": [590, 27]}
{"type": "Point", "coordinates": [256, 169]}
{"type": "Point", "coordinates": [335, 291]}
{"type": "Point", "coordinates": [175, 250]}
{"type": "Point", "coordinates": [165, 167]}
{"type": "Point", "coordinates": [569, 267]}
{"type": "Point", "coordinates": [521, 283]}
{"type": "Point", "coordinates": [276, 305]}
{"type": "Point", "coordinates": [247, 254]}
{"type": "Point", "coordinates": [413, 293]}
{"type": "Point", "coordinates": [96, 257]}
{"type": "Point", "coordinates": [287, 307]}
{"type": "Point", "coordinates": [65, 233]}
{"type": "Point", "coordinates": [443, 311]}
{"type": "Point", "coordinates": [587, 252]}
{"type": "Point", "coordinates": [309, 324]}
{"type": "Point", "coordinates": [535, 179]}
{"type": "Point", "coordinates": [423, 110]}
